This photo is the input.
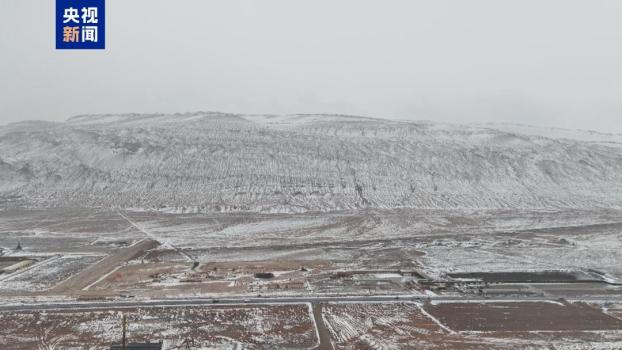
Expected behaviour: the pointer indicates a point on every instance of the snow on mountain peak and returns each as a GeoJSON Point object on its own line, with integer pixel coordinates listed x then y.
{"type": "Point", "coordinates": [211, 161]}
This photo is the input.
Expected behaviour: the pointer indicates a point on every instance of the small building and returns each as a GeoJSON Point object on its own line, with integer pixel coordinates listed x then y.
{"type": "Point", "coordinates": [286, 285]}
{"type": "Point", "coordinates": [264, 275]}
{"type": "Point", "coordinates": [293, 285]}
{"type": "Point", "coordinates": [137, 346]}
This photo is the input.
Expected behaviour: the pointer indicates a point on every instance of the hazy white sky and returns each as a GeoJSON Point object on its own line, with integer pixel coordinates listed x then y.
{"type": "Point", "coordinates": [541, 62]}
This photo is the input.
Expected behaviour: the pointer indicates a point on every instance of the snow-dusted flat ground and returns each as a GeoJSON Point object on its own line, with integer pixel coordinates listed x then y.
{"type": "Point", "coordinates": [226, 327]}
{"type": "Point", "coordinates": [47, 273]}
{"type": "Point", "coordinates": [434, 242]}
{"type": "Point", "coordinates": [411, 326]}
{"type": "Point", "coordinates": [450, 240]}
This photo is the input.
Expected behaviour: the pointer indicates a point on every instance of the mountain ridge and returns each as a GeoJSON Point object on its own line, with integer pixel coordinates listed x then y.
{"type": "Point", "coordinates": [211, 161]}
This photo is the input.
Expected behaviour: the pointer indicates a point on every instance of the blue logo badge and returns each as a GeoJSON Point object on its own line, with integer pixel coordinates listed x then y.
{"type": "Point", "coordinates": [80, 24]}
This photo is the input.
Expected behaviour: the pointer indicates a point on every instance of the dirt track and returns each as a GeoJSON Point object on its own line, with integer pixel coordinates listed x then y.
{"type": "Point", "coordinates": [91, 274]}
{"type": "Point", "coordinates": [323, 332]}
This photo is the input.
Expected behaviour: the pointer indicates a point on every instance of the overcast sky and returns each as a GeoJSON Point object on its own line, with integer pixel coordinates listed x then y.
{"type": "Point", "coordinates": [541, 62]}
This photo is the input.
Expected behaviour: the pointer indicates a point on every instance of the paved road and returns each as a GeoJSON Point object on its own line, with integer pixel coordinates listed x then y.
{"type": "Point", "coordinates": [279, 300]}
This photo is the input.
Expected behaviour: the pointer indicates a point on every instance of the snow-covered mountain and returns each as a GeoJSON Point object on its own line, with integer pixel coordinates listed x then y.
{"type": "Point", "coordinates": [223, 162]}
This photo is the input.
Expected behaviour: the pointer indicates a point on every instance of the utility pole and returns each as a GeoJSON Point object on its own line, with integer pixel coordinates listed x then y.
{"type": "Point", "coordinates": [124, 327]}
{"type": "Point", "coordinates": [187, 342]}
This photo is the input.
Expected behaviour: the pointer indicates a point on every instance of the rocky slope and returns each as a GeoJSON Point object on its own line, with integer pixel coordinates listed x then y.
{"type": "Point", "coordinates": [222, 162]}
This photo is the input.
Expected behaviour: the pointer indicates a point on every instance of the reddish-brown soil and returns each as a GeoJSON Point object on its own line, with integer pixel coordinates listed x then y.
{"type": "Point", "coordinates": [522, 316]}
{"type": "Point", "coordinates": [91, 274]}
{"type": "Point", "coordinates": [257, 327]}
